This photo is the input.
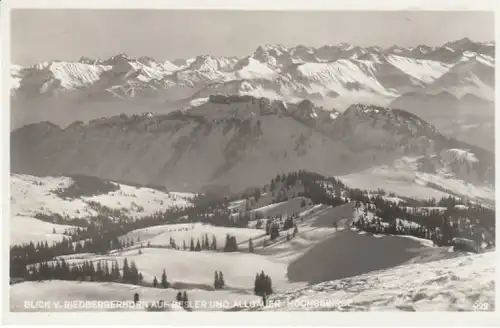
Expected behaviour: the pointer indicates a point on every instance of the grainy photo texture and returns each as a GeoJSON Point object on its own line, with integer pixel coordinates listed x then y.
{"type": "Point", "coordinates": [172, 160]}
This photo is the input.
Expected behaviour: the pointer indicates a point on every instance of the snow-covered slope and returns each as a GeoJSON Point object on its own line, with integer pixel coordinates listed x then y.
{"type": "Point", "coordinates": [465, 283]}
{"type": "Point", "coordinates": [425, 71]}
{"type": "Point", "coordinates": [341, 76]}
{"type": "Point", "coordinates": [405, 178]}
{"type": "Point", "coordinates": [182, 234]}
{"type": "Point", "coordinates": [32, 195]}
{"type": "Point", "coordinates": [473, 74]}
{"type": "Point", "coordinates": [25, 229]}
{"type": "Point", "coordinates": [250, 68]}
{"type": "Point", "coordinates": [56, 293]}
{"type": "Point", "coordinates": [73, 75]}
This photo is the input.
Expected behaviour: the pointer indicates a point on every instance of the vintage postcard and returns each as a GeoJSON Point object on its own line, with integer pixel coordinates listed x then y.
{"type": "Point", "coordinates": [265, 165]}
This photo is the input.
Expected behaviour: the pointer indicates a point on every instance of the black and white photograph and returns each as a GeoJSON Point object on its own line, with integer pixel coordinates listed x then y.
{"type": "Point", "coordinates": [224, 160]}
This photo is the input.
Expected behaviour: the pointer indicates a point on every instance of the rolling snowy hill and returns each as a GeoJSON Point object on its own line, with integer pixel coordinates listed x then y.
{"type": "Point", "coordinates": [77, 197]}
{"type": "Point", "coordinates": [31, 195]}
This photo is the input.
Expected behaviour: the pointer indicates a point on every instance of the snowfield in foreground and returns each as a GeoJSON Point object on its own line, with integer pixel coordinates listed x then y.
{"type": "Point", "coordinates": [464, 283]}
{"type": "Point", "coordinates": [31, 195]}
{"type": "Point", "coordinates": [57, 292]}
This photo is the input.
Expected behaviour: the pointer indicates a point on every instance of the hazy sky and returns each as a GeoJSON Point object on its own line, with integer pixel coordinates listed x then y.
{"type": "Point", "coordinates": [48, 34]}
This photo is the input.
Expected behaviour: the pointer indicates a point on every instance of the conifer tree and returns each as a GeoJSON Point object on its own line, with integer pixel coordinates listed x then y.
{"type": "Point", "coordinates": [274, 231]}
{"type": "Point", "coordinates": [216, 280]}
{"type": "Point", "coordinates": [91, 271]}
{"type": "Point", "coordinates": [155, 282]}
{"type": "Point", "coordinates": [191, 246]}
{"type": "Point", "coordinates": [268, 285]}
{"type": "Point", "coordinates": [126, 270]}
{"type": "Point", "coordinates": [164, 282]}
{"type": "Point", "coordinates": [221, 280]}
{"type": "Point", "coordinates": [257, 287]}
{"type": "Point", "coordinates": [106, 273]}
{"type": "Point", "coordinates": [214, 243]}
{"type": "Point", "coordinates": [206, 242]}
{"type": "Point", "coordinates": [250, 245]}
{"type": "Point", "coordinates": [198, 246]}
{"type": "Point", "coordinates": [99, 272]}
{"type": "Point", "coordinates": [134, 273]}
{"type": "Point", "coordinates": [185, 299]}
{"type": "Point", "coordinates": [268, 226]}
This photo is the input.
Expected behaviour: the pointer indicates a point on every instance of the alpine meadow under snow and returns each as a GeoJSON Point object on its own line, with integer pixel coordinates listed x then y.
{"type": "Point", "coordinates": [336, 178]}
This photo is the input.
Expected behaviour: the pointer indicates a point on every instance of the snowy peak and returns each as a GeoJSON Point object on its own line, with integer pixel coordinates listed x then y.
{"type": "Point", "coordinates": [250, 68]}
{"type": "Point", "coordinates": [210, 63]}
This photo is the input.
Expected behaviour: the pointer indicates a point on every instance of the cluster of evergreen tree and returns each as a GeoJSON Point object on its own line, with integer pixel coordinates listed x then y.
{"type": "Point", "coordinates": [434, 224]}
{"type": "Point", "coordinates": [219, 282]}
{"type": "Point", "coordinates": [164, 282]}
{"type": "Point", "coordinates": [113, 222]}
{"type": "Point", "coordinates": [273, 226]}
{"type": "Point", "coordinates": [289, 223]}
{"type": "Point", "coordinates": [86, 271]}
{"type": "Point", "coordinates": [263, 284]}
{"type": "Point", "coordinates": [86, 186]}
{"type": "Point", "coordinates": [28, 253]}
{"type": "Point", "coordinates": [231, 244]}
{"type": "Point", "coordinates": [250, 246]}
{"type": "Point", "coordinates": [439, 226]}
{"type": "Point", "coordinates": [182, 298]}
{"type": "Point", "coordinates": [204, 244]}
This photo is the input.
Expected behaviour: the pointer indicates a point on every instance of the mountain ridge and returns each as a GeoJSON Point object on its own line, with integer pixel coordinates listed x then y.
{"type": "Point", "coordinates": [233, 141]}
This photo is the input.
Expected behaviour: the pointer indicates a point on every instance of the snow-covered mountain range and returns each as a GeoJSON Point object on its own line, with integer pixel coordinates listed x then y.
{"type": "Point", "coordinates": [451, 86]}
{"type": "Point", "coordinates": [332, 75]}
